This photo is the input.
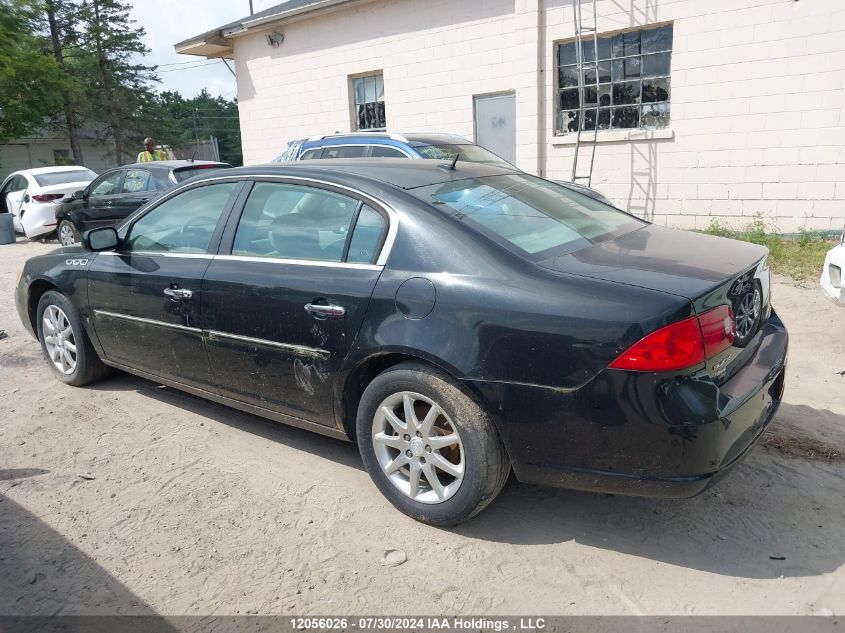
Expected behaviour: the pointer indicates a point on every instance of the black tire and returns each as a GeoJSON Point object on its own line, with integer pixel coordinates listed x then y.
{"type": "Point", "coordinates": [88, 366]}
{"type": "Point", "coordinates": [485, 463]}
{"type": "Point", "coordinates": [67, 227]}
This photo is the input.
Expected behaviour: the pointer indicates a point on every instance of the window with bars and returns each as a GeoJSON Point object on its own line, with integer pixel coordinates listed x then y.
{"type": "Point", "coordinates": [369, 111]}
{"type": "Point", "coordinates": [633, 81]}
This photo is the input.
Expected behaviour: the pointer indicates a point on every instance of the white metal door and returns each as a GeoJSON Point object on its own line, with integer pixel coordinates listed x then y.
{"type": "Point", "coordinates": [495, 123]}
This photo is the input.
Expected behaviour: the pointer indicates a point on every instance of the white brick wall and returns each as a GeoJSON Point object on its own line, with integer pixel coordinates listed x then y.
{"type": "Point", "coordinates": [758, 95]}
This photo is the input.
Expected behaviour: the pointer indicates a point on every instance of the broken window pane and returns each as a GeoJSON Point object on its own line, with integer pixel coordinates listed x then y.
{"type": "Point", "coordinates": [381, 114]}
{"type": "Point", "coordinates": [569, 99]}
{"type": "Point", "coordinates": [655, 116]}
{"type": "Point", "coordinates": [626, 117]}
{"type": "Point", "coordinates": [655, 90]}
{"type": "Point", "coordinates": [567, 121]}
{"type": "Point", "coordinates": [604, 94]}
{"type": "Point", "coordinates": [567, 76]}
{"type": "Point", "coordinates": [656, 65]}
{"type": "Point", "coordinates": [625, 44]}
{"type": "Point", "coordinates": [590, 119]}
{"type": "Point", "coordinates": [624, 69]}
{"type": "Point", "coordinates": [628, 92]}
{"type": "Point", "coordinates": [655, 40]}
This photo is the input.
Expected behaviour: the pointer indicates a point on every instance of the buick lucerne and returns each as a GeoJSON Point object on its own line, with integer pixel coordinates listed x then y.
{"type": "Point", "coordinates": [457, 321]}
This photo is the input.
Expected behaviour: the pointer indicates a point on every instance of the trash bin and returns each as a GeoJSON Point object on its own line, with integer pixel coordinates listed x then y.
{"type": "Point", "coordinates": [7, 228]}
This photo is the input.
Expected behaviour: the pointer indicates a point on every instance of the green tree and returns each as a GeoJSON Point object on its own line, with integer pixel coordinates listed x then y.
{"type": "Point", "coordinates": [31, 82]}
{"type": "Point", "coordinates": [121, 85]}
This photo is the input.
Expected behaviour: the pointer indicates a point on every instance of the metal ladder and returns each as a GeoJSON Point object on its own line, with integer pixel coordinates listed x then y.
{"type": "Point", "coordinates": [592, 31]}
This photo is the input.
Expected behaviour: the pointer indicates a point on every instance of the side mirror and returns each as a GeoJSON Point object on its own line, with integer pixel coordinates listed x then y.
{"type": "Point", "coordinates": [78, 195]}
{"type": "Point", "coordinates": [104, 239]}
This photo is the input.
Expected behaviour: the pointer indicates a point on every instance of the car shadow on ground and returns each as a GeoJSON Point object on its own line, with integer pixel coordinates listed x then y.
{"type": "Point", "coordinates": [42, 573]}
{"type": "Point", "coordinates": [345, 453]}
{"type": "Point", "coordinates": [772, 516]}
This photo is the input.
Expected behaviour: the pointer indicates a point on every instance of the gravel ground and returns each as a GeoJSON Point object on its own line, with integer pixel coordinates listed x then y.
{"type": "Point", "coordinates": [131, 498]}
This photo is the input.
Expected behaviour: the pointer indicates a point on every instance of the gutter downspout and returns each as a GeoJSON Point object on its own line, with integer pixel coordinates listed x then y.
{"type": "Point", "coordinates": [541, 88]}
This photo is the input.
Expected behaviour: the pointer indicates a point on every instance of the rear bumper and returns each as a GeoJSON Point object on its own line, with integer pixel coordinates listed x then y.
{"type": "Point", "coordinates": [642, 434]}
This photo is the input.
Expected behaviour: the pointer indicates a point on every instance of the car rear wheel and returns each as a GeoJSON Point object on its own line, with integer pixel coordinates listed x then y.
{"type": "Point", "coordinates": [429, 448]}
{"type": "Point", "coordinates": [68, 235]}
{"type": "Point", "coordinates": [65, 344]}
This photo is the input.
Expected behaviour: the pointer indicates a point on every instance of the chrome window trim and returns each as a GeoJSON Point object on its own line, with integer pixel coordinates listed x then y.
{"type": "Point", "coordinates": [159, 254]}
{"type": "Point", "coordinates": [128, 317]}
{"type": "Point", "coordinates": [302, 350]}
{"type": "Point", "coordinates": [392, 216]}
{"type": "Point", "coordinates": [297, 262]}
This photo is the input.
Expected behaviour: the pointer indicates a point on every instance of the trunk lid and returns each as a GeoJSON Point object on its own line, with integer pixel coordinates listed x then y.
{"type": "Point", "coordinates": [682, 263]}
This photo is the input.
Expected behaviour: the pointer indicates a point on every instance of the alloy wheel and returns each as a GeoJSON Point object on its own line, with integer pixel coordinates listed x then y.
{"type": "Point", "coordinates": [66, 236]}
{"type": "Point", "coordinates": [59, 340]}
{"type": "Point", "coordinates": [418, 447]}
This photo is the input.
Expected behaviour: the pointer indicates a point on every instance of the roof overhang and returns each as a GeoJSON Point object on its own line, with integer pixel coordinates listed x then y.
{"type": "Point", "coordinates": [219, 42]}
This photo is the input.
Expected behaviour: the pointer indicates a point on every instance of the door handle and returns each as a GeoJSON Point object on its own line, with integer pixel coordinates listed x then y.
{"type": "Point", "coordinates": [325, 311]}
{"type": "Point", "coordinates": [108, 203]}
{"type": "Point", "coordinates": [178, 293]}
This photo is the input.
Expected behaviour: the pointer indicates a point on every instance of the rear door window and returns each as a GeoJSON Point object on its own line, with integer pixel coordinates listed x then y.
{"type": "Point", "coordinates": [366, 237]}
{"type": "Point", "coordinates": [288, 221]}
{"type": "Point", "coordinates": [345, 151]}
{"type": "Point", "coordinates": [311, 153]}
{"type": "Point", "coordinates": [382, 151]}
{"type": "Point", "coordinates": [138, 180]}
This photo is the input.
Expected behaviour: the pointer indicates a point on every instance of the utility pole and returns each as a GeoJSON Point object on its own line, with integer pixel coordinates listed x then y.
{"type": "Point", "coordinates": [251, 12]}
{"type": "Point", "coordinates": [196, 136]}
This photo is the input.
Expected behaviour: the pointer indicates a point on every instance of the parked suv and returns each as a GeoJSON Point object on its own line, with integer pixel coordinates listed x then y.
{"type": "Point", "coordinates": [421, 145]}
{"type": "Point", "coordinates": [119, 192]}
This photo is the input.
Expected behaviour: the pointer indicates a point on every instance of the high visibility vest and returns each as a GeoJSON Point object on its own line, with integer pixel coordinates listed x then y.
{"type": "Point", "coordinates": [147, 157]}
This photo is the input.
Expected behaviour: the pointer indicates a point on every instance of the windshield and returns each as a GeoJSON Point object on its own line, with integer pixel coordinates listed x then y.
{"type": "Point", "coordinates": [189, 172]}
{"type": "Point", "coordinates": [537, 218]}
{"type": "Point", "coordinates": [64, 177]}
{"type": "Point", "coordinates": [468, 152]}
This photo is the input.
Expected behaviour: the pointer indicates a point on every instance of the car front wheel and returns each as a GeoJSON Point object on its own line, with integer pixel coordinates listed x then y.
{"type": "Point", "coordinates": [65, 344]}
{"type": "Point", "coordinates": [430, 449]}
{"type": "Point", "coordinates": [68, 235]}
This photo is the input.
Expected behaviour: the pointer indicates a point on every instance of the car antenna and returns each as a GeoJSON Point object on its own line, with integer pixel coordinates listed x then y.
{"type": "Point", "coordinates": [451, 166]}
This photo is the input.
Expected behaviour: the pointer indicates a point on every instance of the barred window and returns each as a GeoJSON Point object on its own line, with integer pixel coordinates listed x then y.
{"type": "Point", "coordinates": [369, 102]}
{"type": "Point", "coordinates": [633, 81]}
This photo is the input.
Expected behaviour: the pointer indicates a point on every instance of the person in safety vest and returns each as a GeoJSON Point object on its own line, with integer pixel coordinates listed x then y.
{"type": "Point", "coordinates": [150, 153]}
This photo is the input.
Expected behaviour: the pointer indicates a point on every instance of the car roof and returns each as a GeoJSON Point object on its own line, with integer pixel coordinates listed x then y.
{"type": "Point", "coordinates": [170, 164]}
{"type": "Point", "coordinates": [404, 173]}
{"type": "Point", "coordinates": [412, 139]}
{"type": "Point", "coordinates": [52, 170]}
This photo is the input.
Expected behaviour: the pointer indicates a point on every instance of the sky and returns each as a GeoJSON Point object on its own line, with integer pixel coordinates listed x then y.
{"type": "Point", "coordinates": [171, 21]}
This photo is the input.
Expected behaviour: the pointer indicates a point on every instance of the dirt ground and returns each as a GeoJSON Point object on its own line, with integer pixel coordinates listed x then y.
{"type": "Point", "coordinates": [187, 507]}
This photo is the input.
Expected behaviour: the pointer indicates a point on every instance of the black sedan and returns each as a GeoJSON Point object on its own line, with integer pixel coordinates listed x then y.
{"type": "Point", "coordinates": [119, 192]}
{"type": "Point", "coordinates": [456, 322]}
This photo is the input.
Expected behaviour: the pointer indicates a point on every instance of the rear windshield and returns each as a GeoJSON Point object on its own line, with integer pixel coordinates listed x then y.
{"type": "Point", "coordinates": [190, 172]}
{"type": "Point", "coordinates": [468, 152]}
{"type": "Point", "coordinates": [64, 177]}
{"type": "Point", "coordinates": [534, 217]}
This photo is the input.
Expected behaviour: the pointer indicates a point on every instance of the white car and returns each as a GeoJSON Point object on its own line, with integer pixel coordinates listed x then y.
{"type": "Point", "coordinates": [31, 195]}
{"type": "Point", "coordinates": [831, 280]}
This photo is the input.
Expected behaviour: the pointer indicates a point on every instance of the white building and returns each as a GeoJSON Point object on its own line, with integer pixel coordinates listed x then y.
{"type": "Point", "coordinates": [713, 108]}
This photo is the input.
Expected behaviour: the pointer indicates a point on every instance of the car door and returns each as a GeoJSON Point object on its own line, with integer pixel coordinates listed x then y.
{"type": "Point", "coordinates": [99, 201]}
{"type": "Point", "coordinates": [145, 297]}
{"type": "Point", "coordinates": [284, 300]}
{"type": "Point", "coordinates": [13, 192]}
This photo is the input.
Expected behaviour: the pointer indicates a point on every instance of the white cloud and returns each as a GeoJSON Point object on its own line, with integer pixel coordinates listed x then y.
{"type": "Point", "coordinates": [169, 21]}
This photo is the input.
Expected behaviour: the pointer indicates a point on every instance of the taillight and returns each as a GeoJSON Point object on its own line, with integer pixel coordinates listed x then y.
{"type": "Point", "coordinates": [717, 328]}
{"type": "Point", "coordinates": [682, 344]}
{"type": "Point", "coordinates": [48, 197]}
